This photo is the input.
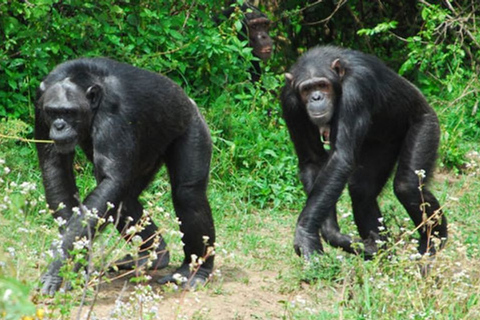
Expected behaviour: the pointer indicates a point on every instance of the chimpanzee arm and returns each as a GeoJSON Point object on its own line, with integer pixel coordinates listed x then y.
{"type": "Point", "coordinates": [351, 128]}
{"type": "Point", "coordinates": [312, 157]}
{"type": "Point", "coordinates": [57, 172]}
{"type": "Point", "coordinates": [113, 164]}
{"type": "Point", "coordinates": [306, 140]}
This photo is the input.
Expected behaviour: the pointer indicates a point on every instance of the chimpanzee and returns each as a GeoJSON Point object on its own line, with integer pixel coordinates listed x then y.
{"type": "Point", "coordinates": [128, 121]}
{"type": "Point", "coordinates": [255, 27]}
{"type": "Point", "coordinates": [351, 119]}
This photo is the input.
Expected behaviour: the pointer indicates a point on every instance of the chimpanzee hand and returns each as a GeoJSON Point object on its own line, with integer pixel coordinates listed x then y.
{"type": "Point", "coordinates": [51, 280]}
{"type": "Point", "coordinates": [307, 243]}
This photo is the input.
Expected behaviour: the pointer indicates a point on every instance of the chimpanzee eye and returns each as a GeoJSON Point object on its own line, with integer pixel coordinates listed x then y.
{"type": "Point", "coordinates": [306, 88]}
{"type": "Point", "coordinates": [322, 85]}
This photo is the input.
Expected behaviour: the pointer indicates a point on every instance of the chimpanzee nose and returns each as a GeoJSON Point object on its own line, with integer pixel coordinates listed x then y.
{"type": "Point", "coordinates": [316, 96]}
{"type": "Point", "coordinates": [262, 36]}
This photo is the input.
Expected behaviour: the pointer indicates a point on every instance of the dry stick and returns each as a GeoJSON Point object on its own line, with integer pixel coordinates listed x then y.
{"type": "Point", "coordinates": [90, 250]}
{"type": "Point", "coordinates": [460, 22]}
{"type": "Point", "coordinates": [97, 291]}
{"type": "Point", "coordinates": [106, 267]}
{"type": "Point", "coordinates": [174, 50]}
{"type": "Point", "coordinates": [196, 268]}
{"type": "Point", "coordinates": [187, 16]}
{"type": "Point", "coordinates": [24, 139]}
{"type": "Point", "coordinates": [340, 3]}
{"type": "Point", "coordinates": [434, 215]}
{"type": "Point", "coordinates": [311, 5]}
{"type": "Point", "coordinates": [127, 240]}
{"type": "Point", "coordinates": [467, 87]}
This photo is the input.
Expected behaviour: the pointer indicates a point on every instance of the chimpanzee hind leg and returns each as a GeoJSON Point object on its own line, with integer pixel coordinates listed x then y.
{"type": "Point", "coordinates": [130, 214]}
{"type": "Point", "coordinates": [188, 163]}
{"type": "Point", "coordinates": [375, 164]}
{"type": "Point", "coordinates": [419, 153]}
{"type": "Point", "coordinates": [330, 231]}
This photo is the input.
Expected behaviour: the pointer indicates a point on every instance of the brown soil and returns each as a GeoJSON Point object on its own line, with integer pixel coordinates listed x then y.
{"type": "Point", "coordinates": [236, 294]}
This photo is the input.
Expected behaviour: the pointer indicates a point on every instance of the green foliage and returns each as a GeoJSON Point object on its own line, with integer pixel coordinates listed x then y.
{"type": "Point", "coordinates": [379, 28]}
{"type": "Point", "coordinates": [14, 297]}
{"type": "Point", "coordinates": [180, 40]}
{"type": "Point", "coordinates": [444, 58]}
{"type": "Point", "coordinates": [253, 183]}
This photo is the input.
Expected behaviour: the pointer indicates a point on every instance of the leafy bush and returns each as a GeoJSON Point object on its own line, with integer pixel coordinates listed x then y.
{"type": "Point", "coordinates": [442, 59]}
{"type": "Point", "coordinates": [446, 54]}
{"type": "Point", "coordinates": [180, 40]}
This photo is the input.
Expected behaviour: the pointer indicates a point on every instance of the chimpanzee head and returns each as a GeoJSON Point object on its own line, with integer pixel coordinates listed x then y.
{"type": "Point", "coordinates": [258, 37]}
{"type": "Point", "coordinates": [317, 84]}
{"type": "Point", "coordinates": [68, 110]}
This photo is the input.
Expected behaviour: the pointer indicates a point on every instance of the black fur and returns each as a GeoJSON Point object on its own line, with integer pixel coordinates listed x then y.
{"type": "Point", "coordinates": [379, 119]}
{"type": "Point", "coordinates": [128, 121]}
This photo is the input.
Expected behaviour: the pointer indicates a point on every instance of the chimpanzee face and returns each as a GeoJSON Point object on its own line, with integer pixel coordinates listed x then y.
{"type": "Point", "coordinates": [319, 91]}
{"type": "Point", "coordinates": [67, 111]}
{"type": "Point", "coordinates": [318, 97]}
{"type": "Point", "coordinates": [259, 39]}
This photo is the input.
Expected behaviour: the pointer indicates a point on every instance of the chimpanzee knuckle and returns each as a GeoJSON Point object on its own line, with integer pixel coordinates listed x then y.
{"type": "Point", "coordinates": [51, 284]}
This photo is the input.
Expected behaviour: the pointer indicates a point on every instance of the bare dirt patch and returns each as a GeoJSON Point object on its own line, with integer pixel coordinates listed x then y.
{"type": "Point", "coordinates": [236, 294]}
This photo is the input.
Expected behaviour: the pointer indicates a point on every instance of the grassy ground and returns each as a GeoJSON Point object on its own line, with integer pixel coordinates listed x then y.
{"type": "Point", "coordinates": [257, 273]}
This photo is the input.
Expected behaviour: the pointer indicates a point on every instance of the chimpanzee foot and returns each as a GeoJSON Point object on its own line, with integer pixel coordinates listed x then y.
{"type": "Point", "coordinates": [428, 246]}
{"type": "Point", "coordinates": [187, 279]}
{"type": "Point", "coordinates": [145, 258]}
{"type": "Point", "coordinates": [370, 245]}
{"type": "Point", "coordinates": [307, 243]}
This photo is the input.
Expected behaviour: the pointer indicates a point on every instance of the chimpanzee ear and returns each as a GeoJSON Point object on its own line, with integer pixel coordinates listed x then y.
{"type": "Point", "coordinates": [94, 95]}
{"type": "Point", "coordinates": [289, 79]}
{"type": "Point", "coordinates": [338, 68]}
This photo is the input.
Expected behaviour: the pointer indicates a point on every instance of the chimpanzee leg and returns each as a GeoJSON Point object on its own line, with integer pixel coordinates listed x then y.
{"type": "Point", "coordinates": [367, 181]}
{"type": "Point", "coordinates": [330, 231]}
{"type": "Point", "coordinates": [188, 163]}
{"type": "Point", "coordinates": [419, 153]}
{"type": "Point", "coordinates": [132, 208]}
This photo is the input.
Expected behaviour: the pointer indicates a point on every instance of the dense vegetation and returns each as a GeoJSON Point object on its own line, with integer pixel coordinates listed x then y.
{"type": "Point", "coordinates": [253, 180]}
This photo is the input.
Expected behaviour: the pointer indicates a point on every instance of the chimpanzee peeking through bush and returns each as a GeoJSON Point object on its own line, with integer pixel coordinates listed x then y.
{"type": "Point", "coordinates": [351, 119]}
{"type": "Point", "coordinates": [128, 121]}
{"type": "Point", "coordinates": [255, 28]}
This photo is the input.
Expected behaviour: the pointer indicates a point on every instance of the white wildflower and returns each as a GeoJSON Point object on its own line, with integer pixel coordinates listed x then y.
{"type": "Point", "coordinates": [11, 250]}
{"type": "Point", "coordinates": [7, 294]}
{"type": "Point", "coordinates": [137, 240]}
{"type": "Point", "coordinates": [420, 173]}
{"type": "Point", "coordinates": [205, 239]}
{"type": "Point", "coordinates": [60, 221]}
{"type": "Point", "coordinates": [179, 278]}
{"type": "Point", "coordinates": [80, 243]}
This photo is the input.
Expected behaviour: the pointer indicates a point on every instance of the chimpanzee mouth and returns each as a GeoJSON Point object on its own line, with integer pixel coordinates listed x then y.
{"type": "Point", "coordinates": [318, 115]}
{"type": "Point", "coordinates": [266, 50]}
{"type": "Point", "coordinates": [65, 146]}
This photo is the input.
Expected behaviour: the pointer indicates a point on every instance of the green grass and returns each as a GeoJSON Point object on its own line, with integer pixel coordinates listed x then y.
{"type": "Point", "coordinates": [254, 236]}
